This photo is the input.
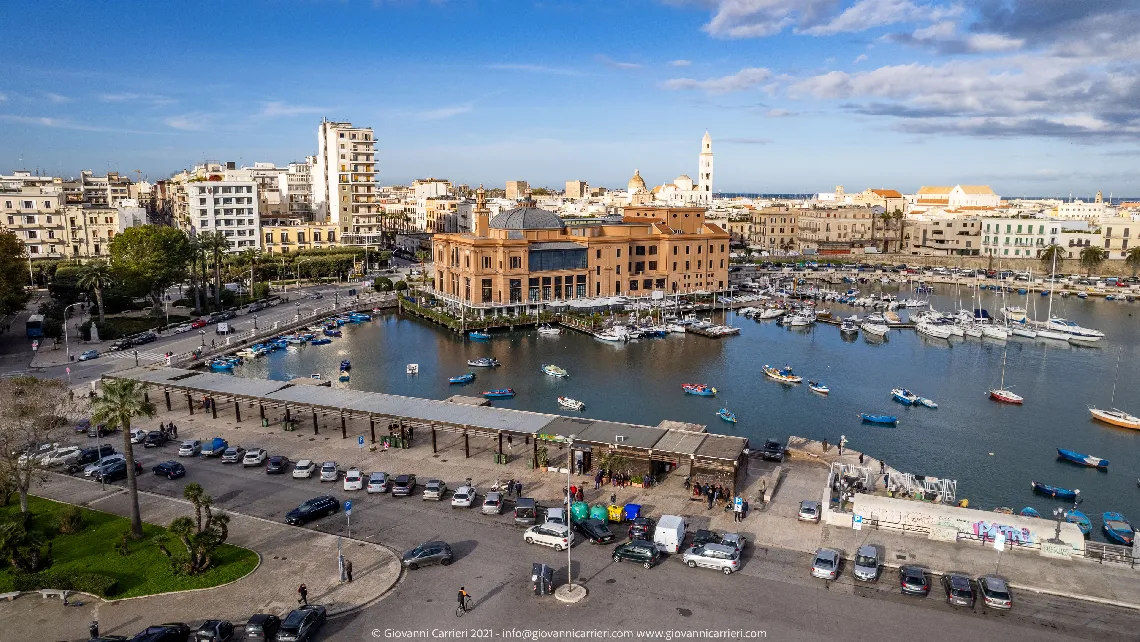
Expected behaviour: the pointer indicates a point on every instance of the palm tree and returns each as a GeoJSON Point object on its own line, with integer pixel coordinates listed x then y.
{"type": "Point", "coordinates": [1132, 259]}
{"type": "Point", "coordinates": [96, 275]}
{"type": "Point", "coordinates": [901, 218]}
{"type": "Point", "coordinates": [121, 401]}
{"type": "Point", "coordinates": [248, 259]}
{"type": "Point", "coordinates": [214, 243]}
{"type": "Point", "coordinates": [1050, 252]}
{"type": "Point", "coordinates": [1091, 258]}
{"type": "Point", "coordinates": [195, 258]}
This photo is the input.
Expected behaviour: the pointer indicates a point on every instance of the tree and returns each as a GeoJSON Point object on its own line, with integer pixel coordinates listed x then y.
{"type": "Point", "coordinates": [121, 401]}
{"type": "Point", "coordinates": [33, 412]}
{"type": "Point", "coordinates": [1050, 252]}
{"type": "Point", "coordinates": [13, 274]}
{"type": "Point", "coordinates": [1091, 258]}
{"type": "Point", "coordinates": [899, 216]}
{"type": "Point", "coordinates": [23, 549]}
{"type": "Point", "coordinates": [200, 536]}
{"type": "Point", "coordinates": [386, 257]}
{"type": "Point", "coordinates": [151, 257]}
{"type": "Point", "coordinates": [383, 284]}
{"type": "Point", "coordinates": [95, 276]}
{"type": "Point", "coordinates": [1132, 259]}
{"type": "Point", "coordinates": [214, 244]}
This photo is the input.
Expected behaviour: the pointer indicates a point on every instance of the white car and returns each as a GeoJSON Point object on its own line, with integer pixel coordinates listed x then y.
{"type": "Point", "coordinates": [558, 536]}
{"type": "Point", "coordinates": [463, 497]}
{"type": "Point", "coordinates": [137, 435]}
{"type": "Point", "coordinates": [378, 482]}
{"type": "Point", "coordinates": [91, 468]}
{"type": "Point", "coordinates": [353, 480]}
{"type": "Point", "coordinates": [185, 327]}
{"type": "Point", "coordinates": [60, 456]}
{"type": "Point", "coordinates": [435, 489]}
{"type": "Point", "coordinates": [190, 448]}
{"type": "Point", "coordinates": [304, 469]}
{"type": "Point", "coordinates": [493, 504]}
{"type": "Point", "coordinates": [254, 457]}
{"type": "Point", "coordinates": [329, 471]}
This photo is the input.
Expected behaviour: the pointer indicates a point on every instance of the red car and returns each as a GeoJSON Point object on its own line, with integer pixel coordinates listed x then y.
{"type": "Point", "coordinates": [198, 323]}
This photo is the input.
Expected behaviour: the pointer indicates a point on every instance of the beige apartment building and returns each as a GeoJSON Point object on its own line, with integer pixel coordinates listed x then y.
{"type": "Point", "coordinates": [841, 230]}
{"type": "Point", "coordinates": [776, 229]}
{"type": "Point", "coordinates": [280, 238]}
{"type": "Point", "coordinates": [1121, 233]}
{"type": "Point", "coordinates": [577, 189]}
{"type": "Point", "coordinates": [517, 190]}
{"type": "Point", "coordinates": [944, 235]}
{"type": "Point", "coordinates": [344, 181]}
{"type": "Point", "coordinates": [441, 214]}
{"type": "Point", "coordinates": [32, 208]}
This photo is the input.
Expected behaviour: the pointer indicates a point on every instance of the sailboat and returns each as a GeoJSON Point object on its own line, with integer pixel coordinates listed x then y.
{"type": "Point", "coordinates": [1000, 393]}
{"type": "Point", "coordinates": [1043, 330]}
{"type": "Point", "coordinates": [1019, 327]}
{"type": "Point", "coordinates": [1114, 416]}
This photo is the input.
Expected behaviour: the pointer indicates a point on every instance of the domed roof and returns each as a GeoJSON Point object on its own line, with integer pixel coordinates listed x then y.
{"type": "Point", "coordinates": [682, 177]}
{"type": "Point", "coordinates": [636, 183]}
{"type": "Point", "coordinates": [527, 218]}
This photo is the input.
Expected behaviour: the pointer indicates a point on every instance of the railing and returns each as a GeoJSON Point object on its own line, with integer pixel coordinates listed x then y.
{"type": "Point", "coordinates": [1111, 553]}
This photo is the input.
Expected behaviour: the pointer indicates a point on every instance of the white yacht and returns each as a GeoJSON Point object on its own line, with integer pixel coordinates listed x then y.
{"type": "Point", "coordinates": [1074, 332]}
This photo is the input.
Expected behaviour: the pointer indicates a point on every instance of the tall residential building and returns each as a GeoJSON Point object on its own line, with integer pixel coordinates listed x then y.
{"type": "Point", "coordinates": [344, 180]}
{"type": "Point", "coordinates": [516, 189]}
{"type": "Point", "coordinates": [31, 207]}
{"type": "Point", "coordinates": [577, 189]}
{"type": "Point", "coordinates": [296, 186]}
{"type": "Point", "coordinates": [229, 207]}
{"type": "Point", "coordinates": [91, 228]}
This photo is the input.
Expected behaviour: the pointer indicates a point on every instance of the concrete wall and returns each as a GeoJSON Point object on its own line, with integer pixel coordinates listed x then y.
{"type": "Point", "coordinates": [1114, 267]}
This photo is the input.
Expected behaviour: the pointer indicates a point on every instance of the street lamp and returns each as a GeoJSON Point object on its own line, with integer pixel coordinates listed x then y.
{"type": "Point", "coordinates": [298, 311]}
{"type": "Point", "coordinates": [569, 467]}
{"type": "Point", "coordinates": [255, 323]}
{"type": "Point", "coordinates": [203, 333]}
{"type": "Point", "coordinates": [66, 346]}
{"type": "Point", "coordinates": [137, 356]}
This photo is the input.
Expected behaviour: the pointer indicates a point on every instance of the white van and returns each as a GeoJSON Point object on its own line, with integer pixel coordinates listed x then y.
{"type": "Point", "coordinates": [669, 536]}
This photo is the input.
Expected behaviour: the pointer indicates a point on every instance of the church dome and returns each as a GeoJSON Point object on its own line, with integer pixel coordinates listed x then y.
{"type": "Point", "coordinates": [527, 218]}
{"type": "Point", "coordinates": [683, 182]}
{"type": "Point", "coordinates": [636, 184]}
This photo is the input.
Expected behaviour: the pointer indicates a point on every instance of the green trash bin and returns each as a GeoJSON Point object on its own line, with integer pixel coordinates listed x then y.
{"type": "Point", "coordinates": [386, 441]}
{"type": "Point", "coordinates": [398, 442]}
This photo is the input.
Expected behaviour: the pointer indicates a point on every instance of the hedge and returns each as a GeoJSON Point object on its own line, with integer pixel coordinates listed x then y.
{"type": "Point", "coordinates": [94, 583]}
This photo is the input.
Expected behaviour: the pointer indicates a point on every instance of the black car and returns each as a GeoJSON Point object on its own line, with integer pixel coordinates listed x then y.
{"type": "Point", "coordinates": [262, 626]}
{"type": "Point", "coordinates": [276, 465]}
{"type": "Point", "coordinates": [772, 450]}
{"type": "Point", "coordinates": [702, 537]}
{"type": "Point", "coordinates": [594, 530]}
{"type": "Point", "coordinates": [314, 508]}
{"type": "Point", "coordinates": [215, 631]}
{"type": "Point", "coordinates": [121, 344]}
{"type": "Point", "coordinates": [301, 623]}
{"type": "Point", "coordinates": [642, 528]}
{"type": "Point", "coordinates": [173, 632]}
{"type": "Point", "coordinates": [171, 469]}
{"type": "Point", "coordinates": [115, 471]}
{"type": "Point", "coordinates": [403, 486]}
{"type": "Point", "coordinates": [99, 430]}
{"type": "Point", "coordinates": [90, 456]}
{"type": "Point", "coordinates": [959, 591]}
{"type": "Point", "coordinates": [640, 551]}
{"type": "Point", "coordinates": [154, 439]}
{"type": "Point", "coordinates": [913, 581]}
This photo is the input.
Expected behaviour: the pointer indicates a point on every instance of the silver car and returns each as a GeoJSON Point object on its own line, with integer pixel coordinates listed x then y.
{"type": "Point", "coordinates": [867, 563]}
{"type": "Point", "coordinates": [190, 448]}
{"type": "Point", "coordinates": [826, 564]}
{"type": "Point", "coordinates": [377, 483]}
{"type": "Point", "coordinates": [716, 556]}
{"type": "Point", "coordinates": [329, 471]}
{"type": "Point", "coordinates": [995, 592]}
{"type": "Point", "coordinates": [809, 511]}
{"type": "Point", "coordinates": [91, 468]}
{"type": "Point", "coordinates": [493, 504]}
{"type": "Point", "coordinates": [435, 489]}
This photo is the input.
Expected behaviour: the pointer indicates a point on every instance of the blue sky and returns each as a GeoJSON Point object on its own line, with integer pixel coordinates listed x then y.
{"type": "Point", "coordinates": [1030, 96]}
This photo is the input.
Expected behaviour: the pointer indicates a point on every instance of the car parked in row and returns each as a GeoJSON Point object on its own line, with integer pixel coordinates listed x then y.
{"type": "Point", "coordinates": [403, 485]}
{"type": "Point", "coordinates": [89, 456]}
{"type": "Point", "coordinates": [594, 530]}
{"type": "Point", "coordinates": [826, 564]}
{"type": "Point", "coordinates": [115, 471]}
{"type": "Point", "coordinates": [715, 556]}
{"type": "Point", "coordinates": [276, 465]}
{"type": "Point", "coordinates": [262, 626]}
{"type": "Point", "coordinates": [90, 469]}
{"type": "Point", "coordinates": [214, 447]}
{"type": "Point", "coordinates": [492, 503]}
{"type": "Point", "coordinates": [138, 435]}
{"type": "Point", "coordinates": [463, 497]}
{"type": "Point", "coordinates": [639, 551]}
{"type": "Point", "coordinates": [304, 469]}
{"type": "Point", "coordinates": [435, 489]}
{"type": "Point", "coordinates": [301, 623]}
{"type": "Point", "coordinates": [913, 580]}
{"type": "Point", "coordinates": [353, 480]}
{"type": "Point", "coordinates": [214, 631]}
{"type": "Point", "coordinates": [995, 592]}
{"type": "Point", "coordinates": [378, 482]}
{"type": "Point", "coordinates": [233, 455]}
{"type": "Point", "coordinates": [171, 632]}
{"type": "Point", "coordinates": [959, 591]}
{"type": "Point", "coordinates": [155, 439]}
{"type": "Point", "coordinates": [190, 448]}
{"type": "Point", "coordinates": [254, 457]}
{"type": "Point", "coordinates": [557, 536]}
{"type": "Point", "coordinates": [867, 563]}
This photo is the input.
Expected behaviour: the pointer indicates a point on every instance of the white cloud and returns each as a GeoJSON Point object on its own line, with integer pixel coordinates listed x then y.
{"type": "Point", "coordinates": [762, 18]}
{"type": "Point", "coordinates": [992, 42]}
{"type": "Point", "coordinates": [616, 64]}
{"type": "Point", "coordinates": [746, 78]}
{"type": "Point", "coordinates": [680, 63]}
{"type": "Point", "coordinates": [779, 113]}
{"type": "Point", "coordinates": [858, 59]}
{"type": "Point", "coordinates": [121, 97]}
{"type": "Point", "coordinates": [193, 122]}
{"type": "Point", "coordinates": [535, 69]}
{"type": "Point", "coordinates": [57, 99]}
{"type": "Point", "coordinates": [63, 123]}
{"type": "Point", "coordinates": [868, 14]}
{"type": "Point", "coordinates": [445, 112]}
{"type": "Point", "coordinates": [278, 109]}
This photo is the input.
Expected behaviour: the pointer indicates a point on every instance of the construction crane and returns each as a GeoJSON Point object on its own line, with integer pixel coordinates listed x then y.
{"type": "Point", "coordinates": [138, 175]}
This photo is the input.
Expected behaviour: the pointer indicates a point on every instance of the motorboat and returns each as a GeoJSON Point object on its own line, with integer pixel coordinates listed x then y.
{"type": "Point", "coordinates": [783, 375]}
{"type": "Point", "coordinates": [613, 335]}
{"type": "Point", "coordinates": [699, 389]}
{"type": "Point", "coordinates": [875, 329]}
{"type": "Point", "coordinates": [413, 368]}
{"type": "Point", "coordinates": [1082, 459]}
{"type": "Point", "coordinates": [549, 330]}
{"type": "Point", "coordinates": [320, 342]}
{"type": "Point", "coordinates": [1074, 516]}
{"type": "Point", "coordinates": [332, 332]}
{"type": "Point", "coordinates": [889, 420]}
{"type": "Point", "coordinates": [934, 331]}
{"type": "Point", "coordinates": [1055, 492]}
{"type": "Point", "coordinates": [554, 371]}
{"type": "Point", "coordinates": [1117, 528]}
{"type": "Point", "coordinates": [676, 328]}
{"type": "Point", "coordinates": [483, 362]}
{"type": "Point", "coordinates": [799, 320]}
{"type": "Point", "coordinates": [849, 328]}
{"type": "Point", "coordinates": [572, 404]}
{"type": "Point", "coordinates": [346, 365]}
{"type": "Point", "coordinates": [1116, 418]}
{"type": "Point", "coordinates": [1082, 295]}
{"type": "Point", "coordinates": [1073, 331]}
{"type": "Point", "coordinates": [1029, 511]}
{"type": "Point", "coordinates": [818, 386]}
{"type": "Point", "coordinates": [929, 403]}
{"type": "Point", "coordinates": [462, 379]}
{"type": "Point", "coordinates": [478, 336]}
{"type": "Point", "coordinates": [724, 414]}
{"type": "Point", "coordinates": [972, 329]}
{"type": "Point", "coordinates": [499, 393]}
{"type": "Point", "coordinates": [224, 364]}
{"type": "Point", "coordinates": [769, 313]}
{"type": "Point", "coordinates": [904, 396]}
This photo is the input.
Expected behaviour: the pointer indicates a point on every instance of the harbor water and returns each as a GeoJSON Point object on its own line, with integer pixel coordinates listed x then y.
{"type": "Point", "coordinates": [993, 450]}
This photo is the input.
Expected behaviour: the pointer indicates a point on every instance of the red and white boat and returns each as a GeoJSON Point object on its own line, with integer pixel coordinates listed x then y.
{"type": "Point", "coordinates": [1005, 396]}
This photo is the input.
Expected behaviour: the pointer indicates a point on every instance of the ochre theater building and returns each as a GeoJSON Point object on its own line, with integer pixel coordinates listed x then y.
{"type": "Point", "coordinates": [529, 257]}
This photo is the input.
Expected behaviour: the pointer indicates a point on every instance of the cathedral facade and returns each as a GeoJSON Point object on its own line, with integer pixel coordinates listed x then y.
{"type": "Point", "coordinates": [683, 191]}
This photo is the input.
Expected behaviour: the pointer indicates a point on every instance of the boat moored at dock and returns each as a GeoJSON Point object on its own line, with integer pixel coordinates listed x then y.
{"type": "Point", "coordinates": [499, 393]}
{"type": "Point", "coordinates": [1117, 528]}
{"type": "Point", "coordinates": [572, 404]}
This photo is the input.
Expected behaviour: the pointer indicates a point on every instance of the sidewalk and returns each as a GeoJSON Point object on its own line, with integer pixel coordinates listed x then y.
{"type": "Point", "coordinates": [289, 556]}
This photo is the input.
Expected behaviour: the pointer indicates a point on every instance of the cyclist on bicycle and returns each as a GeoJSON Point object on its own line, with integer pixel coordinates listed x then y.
{"type": "Point", "coordinates": [464, 596]}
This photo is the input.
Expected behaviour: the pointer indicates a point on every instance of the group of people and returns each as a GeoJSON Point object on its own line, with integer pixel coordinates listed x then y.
{"type": "Point", "coordinates": [621, 480]}
{"type": "Point", "coordinates": [169, 432]}
{"type": "Point", "coordinates": [512, 487]}
{"type": "Point", "coordinates": [713, 493]}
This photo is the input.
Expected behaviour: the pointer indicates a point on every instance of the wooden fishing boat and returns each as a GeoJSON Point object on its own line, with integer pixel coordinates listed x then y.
{"type": "Point", "coordinates": [346, 365]}
{"type": "Point", "coordinates": [462, 379]}
{"type": "Point", "coordinates": [1117, 528]}
{"type": "Point", "coordinates": [554, 371]}
{"type": "Point", "coordinates": [890, 420]}
{"type": "Point", "coordinates": [818, 386]}
{"type": "Point", "coordinates": [1003, 510]}
{"type": "Point", "coordinates": [1055, 492]}
{"type": "Point", "coordinates": [724, 414]}
{"type": "Point", "coordinates": [699, 389]}
{"type": "Point", "coordinates": [320, 342]}
{"type": "Point", "coordinates": [572, 404]}
{"type": "Point", "coordinates": [483, 362]}
{"type": "Point", "coordinates": [478, 336]}
{"type": "Point", "coordinates": [1074, 516]}
{"type": "Point", "coordinates": [1029, 511]}
{"type": "Point", "coordinates": [343, 375]}
{"type": "Point", "coordinates": [499, 393]}
{"type": "Point", "coordinates": [1082, 459]}
{"type": "Point", "coordinates": [783, 375]}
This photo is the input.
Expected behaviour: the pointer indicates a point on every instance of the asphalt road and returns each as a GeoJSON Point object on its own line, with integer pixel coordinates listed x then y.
{"type": "Point", "coordinates": [772, 592]}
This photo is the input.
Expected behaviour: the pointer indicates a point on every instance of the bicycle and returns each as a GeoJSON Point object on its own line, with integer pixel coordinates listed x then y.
{"type": "Point", "coordinates": [462, 609]}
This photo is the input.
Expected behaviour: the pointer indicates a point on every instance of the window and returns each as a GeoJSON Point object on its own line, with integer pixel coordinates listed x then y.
{"type": "Point", "coordinates": [619, 253]}
{"type": "Point", "coordinates": [316, 237]}
{"type": "Point", "coordinates": [486, 263]}
{"type": "Point", "coordinates": [516, 291]}
{"type": "Point", "coordinates": [332, 236]}
{"type": "Point", "coordinates": [598, 270]}
{"type": "Point", "coordinates": [11, 220]}
{"type": "Point", "coordinates": [546, 288]}
{"type": "Point", "coordinates": [722, 247]}
{"type": "Point", "coordinates": [639, 250]}
{"type": "Point", "coordinates": [639, 267]}
{"type": "Point", "coordinates": [674, 247]}
{"type": "Point", "coordinates": [516, 261]}
{"type": "Point", "coordinates": [269, 237]}
{"type": "Point", "coordinates": [653, 266]}
{"type": "Point", "coordinates": [599, 254]}
{"type": "Point", "coordinates": [632, 285]}
{"type": "Point", "coordinates": [617, 269]}
{"type": "Point", "coordinates": [674, 266]}
{"type": "Point", "coordinates": [686, 249]}
{"type": "Point", "coordinates": [652, 250]}
{"type": "Point", "coordinates": [698, 265]}
{"type": "Point", "coordinates": [29, 205]}
{"type": "Point", "coordinates": [532, 287]}
{"type": "Point", "coordinates": [647, 284]}
{"type": "Point", "coordinates": [686, 266]}
{"type": "Point", "coordinates": [486, 290]}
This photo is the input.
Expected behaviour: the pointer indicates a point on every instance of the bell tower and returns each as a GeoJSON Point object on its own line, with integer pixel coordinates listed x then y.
{"type": "Point", "coordinates": [482, 214]}
{"type": "Point", "coordinates": [705, 174]}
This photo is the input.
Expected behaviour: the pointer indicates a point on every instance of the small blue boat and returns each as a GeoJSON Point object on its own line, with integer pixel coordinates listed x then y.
{"type": "Point", "coordinates": [724, 414]}
{"type": "Point", "coordinates": [332, 332]}
{"type": "Point", "coordinates": [904, 396]}
{"type": "Point", "coordinates": [699, 389]}
{"type": "Point", "coordinates": [500, 393]}
{"type": "Point", "coordinates": [1074, 516]}
{"type": "Point", "coordinates": [320, 342]}
{"type": "Point", "coordinates": [1029, 511]}
{"type": "Point", "coordinates": [346, 365]}
{"type": "Point", "coordinates": [478, 336]}
{"type": "Point", "coordinates": [463, 378]}
{"type": "Point", "coordinates": [343, 375]}
{"type": "Point", "coordinates": [1055, 492]}
{"type": "Point", "coordinates": [889, 420]}
{"type": "Point", "coordinates": [1084, 460]}
{"type": "Point", "coordinates": [1117, 528]}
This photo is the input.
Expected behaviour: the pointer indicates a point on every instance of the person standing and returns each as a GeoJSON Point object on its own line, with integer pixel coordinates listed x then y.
{"type": "Point", "coordinates": [303, 591]}
{"type": "Point", "coordinates": [348, 570]}
{"type": "Point", "coordinates": [860, 459]}
{"type": "Point", "coordinates": [518, 489]}
{"type": "Point", "coordinates": [93, 629]}
{"type": "Point", "coordinates": [598, 480]}
{"type": "Point", "coordinates": [882, 468]}
{"type": "Point", "coordinates": [709, 495]}
{"type": "Point", "coordinates": [510, 443]}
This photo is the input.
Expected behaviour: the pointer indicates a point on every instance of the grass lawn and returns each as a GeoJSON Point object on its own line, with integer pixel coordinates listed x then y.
{"type": "Point", "coordinates": [143, 571]}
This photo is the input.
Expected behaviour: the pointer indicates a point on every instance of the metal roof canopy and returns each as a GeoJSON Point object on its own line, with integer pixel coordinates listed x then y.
{"type": "Point", "coordinates": [680, 442]}
{"type": "Point", "coordinates": [722, 447]}
{"type": "Point", "coordinates": [606, 432]}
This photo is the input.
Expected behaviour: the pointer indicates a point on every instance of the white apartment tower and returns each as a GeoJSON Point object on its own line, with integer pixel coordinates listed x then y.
{"type": "Point", "coordinates": [344, 178]}
{"type": "Point", "coordinates": [705, 178]}
{"type": "Point", "coordinates": [229, 207]}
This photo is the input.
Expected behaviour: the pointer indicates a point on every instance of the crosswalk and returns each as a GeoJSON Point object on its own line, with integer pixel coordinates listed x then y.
{"type": "Point", "coordinates": [144, 355]}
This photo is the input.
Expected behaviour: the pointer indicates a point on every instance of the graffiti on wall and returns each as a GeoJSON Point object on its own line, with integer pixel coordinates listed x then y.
{"type": "Point", "coordinates": [1013, 535]}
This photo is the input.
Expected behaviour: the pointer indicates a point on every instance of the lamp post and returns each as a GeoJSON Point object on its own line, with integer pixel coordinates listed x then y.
{"type": "Point", "coordinates": [255, 323]}
{"type": "Point", "coordinates": [66, 346]}
{"type": "Point", "coordinates": [569, 467]}
{"type": "Point", "coordinates": [298, 311]}
{"type": "Point", "coordinates": [203, 334]}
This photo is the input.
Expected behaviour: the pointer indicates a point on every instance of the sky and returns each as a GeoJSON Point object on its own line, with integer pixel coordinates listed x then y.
{"type": "Point", "coordinates": [1033, 97]}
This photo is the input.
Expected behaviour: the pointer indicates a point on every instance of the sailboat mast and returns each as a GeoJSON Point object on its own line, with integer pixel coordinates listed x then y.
{"type": "Point", "coordinates": [1115, 378]}
{"type": "Point", "coordinates": [1003, 354]}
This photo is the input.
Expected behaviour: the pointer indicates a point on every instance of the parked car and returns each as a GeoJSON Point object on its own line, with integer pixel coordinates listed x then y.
{"type": "Point", "coordinates": [61, 455]}
{"type": "Point", "coordinates": [185, 327]}
{"type": "Point", "coordinates": [304, 469]}
{"type": "Point", "coordinates": [198, 323]}
{"type": "Point", "coordinates": [702, 537]}
{"type": "Point", "coordinates": [734, 540]}
{"type": "Point", "coordinates": [642, 528]}
{"type": "Point", "coordinates": [867, 563]}
{"type": "Point", "coordinates": [377, 482]}
{"type": "Point", "coordinates": [492, 503]}
{"type": "Point", "coordinates": [276, 465]}
{"type": "Point", "coordinates": [716, 556]}
{"type": "Point", "coordinates": [403, 486]}
{"type": "Point", "coordinates": [959, 591]}
{"type": "Point", "coordinates": [463, 497]}
{"type": "Point", "coordinates": [556, 516]}
{"type": "Point", "coordinates": [99, 430]}
{"type": "Point", "coordinates": [262, 626]}
{"type": "Point", "coordinates": [254, 457]}
{"type": "Point", "coordinates": [233, 455]}
{"type": "Point", "coordinates": [594, 530]}
{"type": "Point", "coordinates": [214, 447]}
{"type": "Point", "coordinates": [353, 480]}
{"type": "Point", "coordinates": [312, 509]}
{"type": "Point", "coordinates": [89, 455]}
{"type": "Point", "coordinates": [772, 450]}
{"type": "Point", "coordinates": [435, 489]}
{"type": "Point", "coordinates": [115, 471]}
{"type": "Point", "coordinates": [89, 470]}
{"type": "Point", "coordinates": [329, 471]}
{"type": "Point", "coordinates": [995, 592]}
{"type": "Point", "coordinates": [89, 355]}
{"type": "Point", "coordinates": [154, 439]}
{"type": "Point", "coordinates": [826, 564]}
{"type": "Point", "coordinates": [301, 623]}
{"type": "Point", "coordinates": [913, 581]}
{"type": "Point", "coordinates": [190, 448]}
{"type": "Point", "coordinates": [138, 435]}
{"type": "Point", "coordinates": [426, 554]}
{"type": "Point", "coordinates": [809, 511]}
{"type": "Point", "coordinates": [557, 536]}
{"type": "Point", "coordinates": [641, 551]}
{"type": "Point", "coordinates": [172, 632]}
{"type": "Point", "coordinates": [215, 631]}
{"type": "Point", "coordinates": [169, 469]}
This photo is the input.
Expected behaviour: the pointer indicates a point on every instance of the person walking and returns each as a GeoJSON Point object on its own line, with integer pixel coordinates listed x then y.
{"type": "Point", "coordinates": [882, 468]}
{"type": "Point", "coordinates": [348, 570]}
{"type": "Point", "coordinates": [93, 629]}
{"type": "Point", "coordinates": [510, 443]}
{"type": "Point", "coordinates": [518, 489]}
{"type": "Point", "coordinates": [860, 459]}
{"type": "Point", "coordinates": [303, 591]}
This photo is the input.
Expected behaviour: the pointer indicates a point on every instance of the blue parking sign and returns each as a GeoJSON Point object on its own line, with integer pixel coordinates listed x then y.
{"type": "Point", "coordinates": [360, 441]}
{"type": "Point", "coordinates": [348, 506]}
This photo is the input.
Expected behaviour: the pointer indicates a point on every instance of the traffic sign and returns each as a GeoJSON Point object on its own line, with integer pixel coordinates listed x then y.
{"type": "Point", "coordinates": [738, 504]}
{"type": "Point", "coordinates": [348, 506]}
{"type": "Point", "coordinates": [360, 441]}
{"type": "Point", "coordinates": [857, 522]}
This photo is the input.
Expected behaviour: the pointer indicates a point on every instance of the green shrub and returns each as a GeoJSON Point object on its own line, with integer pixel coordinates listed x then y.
{"type": "Point", "coordinates": [400, 286]}
{"type": "Point", "coordinates": [383, 284]}
{"type": "Point", "coordinates": [94, 583]}
{"type": "Point", "coordinates": [70, 520]}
